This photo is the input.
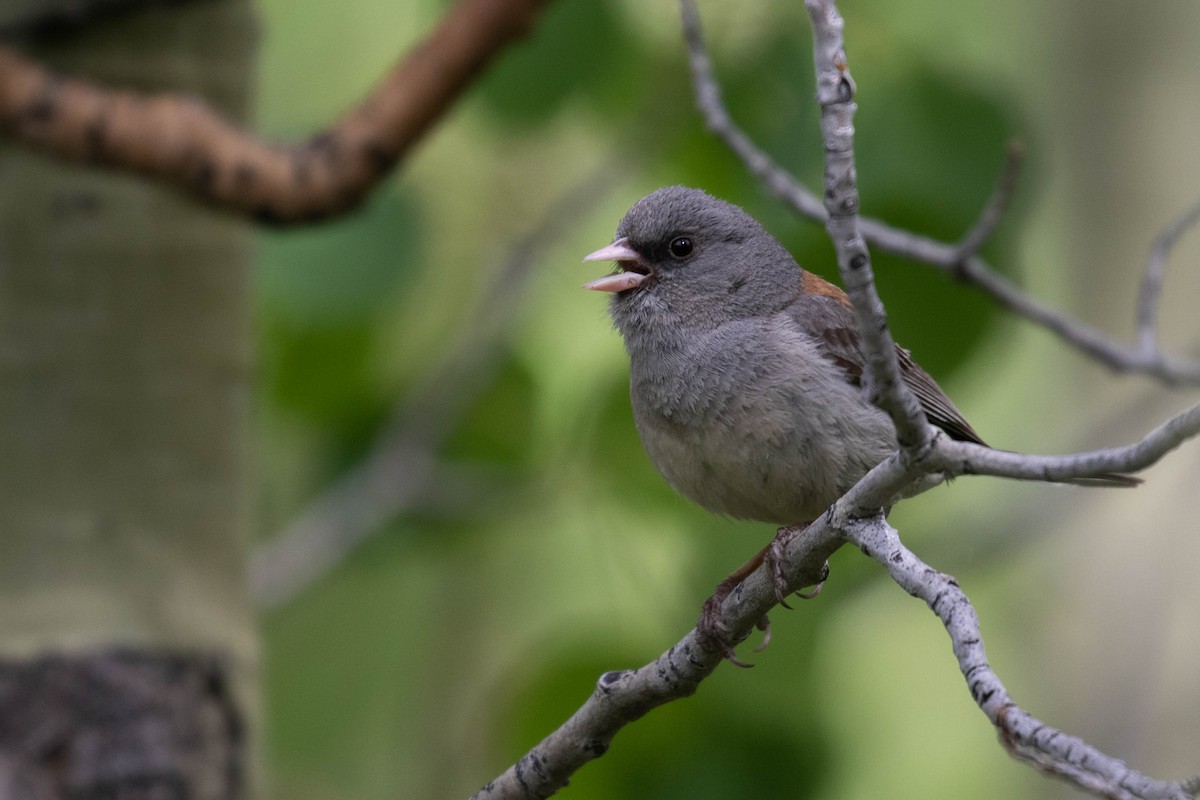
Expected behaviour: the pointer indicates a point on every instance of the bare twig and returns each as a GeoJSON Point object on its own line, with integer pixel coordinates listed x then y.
{"type": "Point", "coordinates": [835, 95]}
{"type": "Point", "coordinates": [708, 97]}
{"type": "Point", "coordinates": [403, 467]}
{"type": "Point", "coordinates": [182, 142]}
{"type": "Point", "coordinates": [1026, 737]}
{"type": "Point", "coordinates": [944, 256]}
{"type": "Point", "coordinates": [1151, 286]}
{"type": "Point", "coordinates": [620, 697]}
{"type": "Point", "coordinates": [997, 204]}
{"type": "Point", "coordinates": [964, 458]}
{"type": "Point", "coordinates": [623, 696]}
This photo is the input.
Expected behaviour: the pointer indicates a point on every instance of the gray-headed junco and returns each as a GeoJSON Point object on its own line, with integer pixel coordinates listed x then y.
{"type": "Point", "coordinates": [746, 376]}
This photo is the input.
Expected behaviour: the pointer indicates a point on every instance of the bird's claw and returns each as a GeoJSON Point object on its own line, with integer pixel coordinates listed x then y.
{"type": "Point", "coordinates": [816, 590]}
{"type": "Point", "coordinates": [773, 559]}
{"type": "Point", "coordinates": [764, 625]}
{"type": "Point", "coordinates": [712, 631]}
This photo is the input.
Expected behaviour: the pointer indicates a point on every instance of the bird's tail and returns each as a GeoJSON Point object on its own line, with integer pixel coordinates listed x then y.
{"type": "Point", "coordinates": [1105, 480]}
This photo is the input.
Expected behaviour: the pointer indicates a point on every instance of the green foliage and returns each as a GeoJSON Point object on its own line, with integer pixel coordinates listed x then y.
{"type": "Point", "coordinates": [487, 434]}
{"type": "Point", "coordinates": [348, 269]}
{"type": "Point", "coordinates": [591, 53]}
{"type": "Point", "coordinates": [322, 294]}
{"type": "Point", "coordinates": [940, 321]}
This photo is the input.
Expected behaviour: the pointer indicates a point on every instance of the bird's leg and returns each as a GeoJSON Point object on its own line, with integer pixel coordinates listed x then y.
{"type": "Point", "coordinates": [772, 556]}
{"type": "Point", "coordinates": [710, 627]}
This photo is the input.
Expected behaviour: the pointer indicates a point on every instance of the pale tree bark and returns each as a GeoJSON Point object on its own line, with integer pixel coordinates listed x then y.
{"type": "Point", "coordinates": [127, 642]}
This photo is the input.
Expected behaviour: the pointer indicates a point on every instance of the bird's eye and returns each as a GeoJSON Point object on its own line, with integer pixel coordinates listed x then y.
{"type": "Point", "coordinates": [681, 246]}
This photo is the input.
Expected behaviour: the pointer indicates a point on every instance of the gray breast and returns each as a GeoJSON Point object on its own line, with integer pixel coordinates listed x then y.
{"type": "Point", "coordinates": [751, 422]}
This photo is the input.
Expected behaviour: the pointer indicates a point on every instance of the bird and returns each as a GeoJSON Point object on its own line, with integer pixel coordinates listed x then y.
{"type": "Point", "coordinates": [747, 378]}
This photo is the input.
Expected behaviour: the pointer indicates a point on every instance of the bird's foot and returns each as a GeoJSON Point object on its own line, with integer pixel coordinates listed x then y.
{"type": "Point", "coordinates": [773, 560]}
{"type": "Point", "coordinates": [713, 633]}
{"type": "Point", "coordinates": [816, 589]}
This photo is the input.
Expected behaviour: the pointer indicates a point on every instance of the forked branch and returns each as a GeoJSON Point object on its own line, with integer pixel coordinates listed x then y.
{"type": "Point", "coordinates": [959, 260]}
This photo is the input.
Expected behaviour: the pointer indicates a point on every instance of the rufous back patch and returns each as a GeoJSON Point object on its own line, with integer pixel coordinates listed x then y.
{"type": "Point", "coordinates": [815, 284]}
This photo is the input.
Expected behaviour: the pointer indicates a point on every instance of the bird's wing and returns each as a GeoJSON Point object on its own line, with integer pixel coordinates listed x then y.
{"type": "Point", "coordinates": [827, 306]}
{"type": "Point", "coordinates": [936, 405]}
{"type": "Point", "coordinates": [819, 305]}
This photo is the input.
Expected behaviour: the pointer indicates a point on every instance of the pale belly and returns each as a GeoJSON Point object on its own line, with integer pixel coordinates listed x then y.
{"type": "Point", "coordinates": [778, 444]}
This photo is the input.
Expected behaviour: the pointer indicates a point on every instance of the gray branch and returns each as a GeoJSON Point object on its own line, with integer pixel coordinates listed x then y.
{"type": "Point", "coordinates": [1152, 279]}
{"type": "Point", "coordinates": [626, 695]}
{"type": "Point", "coordinates": [997, 204]}
{"type": "Point", "coordinates": [835, 95]}
{"type": "Point", "coordinates": [959, 261]}
{"type": "Point", "coordinates": [1023, 735]}
{"type": "Point", "coordinates": [963, 458]}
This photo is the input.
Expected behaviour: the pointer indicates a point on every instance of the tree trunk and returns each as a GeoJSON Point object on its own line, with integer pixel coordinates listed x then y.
{"type": "Point", "coordinates": [127, 642]}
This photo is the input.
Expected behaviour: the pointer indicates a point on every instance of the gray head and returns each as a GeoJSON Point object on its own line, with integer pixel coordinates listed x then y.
{"type": "Point", "coordinates": [687, 259]}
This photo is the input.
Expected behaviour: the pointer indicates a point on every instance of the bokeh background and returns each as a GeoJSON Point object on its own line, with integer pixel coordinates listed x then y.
{"type": "Point", "coordinates": [458, 636]}
{"type": "Point", "coordinates": [455, 639]}
{"type": "Point", "coordinates": [546, 550]}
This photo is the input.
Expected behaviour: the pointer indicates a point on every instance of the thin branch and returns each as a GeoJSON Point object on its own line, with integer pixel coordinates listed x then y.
{"type": "Point", "coordinates": [835, 95]}
{"type": "Point", "coordinates": [1026, 737]}
{"type": "Point", "coordinates": [403, 467]}
{"type": "Point", "coordinates": [996, 206]}
{"type": "Point", "coordinates": [626, 695]}
{"type": "Point", "coordinates": [1151, 286]}
{"type": "Point", "coordinates": [182, 142]}
{"type": "Point", "coordinates": [619, 698]}
{"type": "Point", "coordinates": [778, 181]}
{"type": "Point", "coordinates": [947, 257]}
{"type": "Point", "coordinates": [964, 458]}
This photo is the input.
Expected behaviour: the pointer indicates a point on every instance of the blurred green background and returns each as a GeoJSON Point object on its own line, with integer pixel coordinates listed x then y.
{"type": "Point", "coordinates": [478, 618]}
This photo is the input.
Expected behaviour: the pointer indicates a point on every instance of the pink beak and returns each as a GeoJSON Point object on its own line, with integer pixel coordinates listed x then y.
{"type": "Point", "coordinates": [623, 254]}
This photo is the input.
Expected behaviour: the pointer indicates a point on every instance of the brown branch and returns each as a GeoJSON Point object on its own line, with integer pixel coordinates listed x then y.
{"type": "Point", "coordinates": [181, 141]}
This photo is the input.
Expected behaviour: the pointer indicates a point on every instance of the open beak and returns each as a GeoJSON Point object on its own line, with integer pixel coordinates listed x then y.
{"type": "Point", "coordinates": [632, 269]}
